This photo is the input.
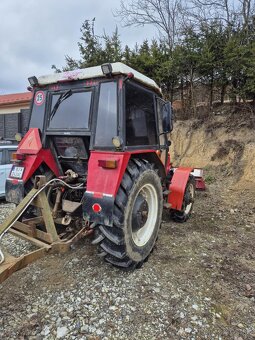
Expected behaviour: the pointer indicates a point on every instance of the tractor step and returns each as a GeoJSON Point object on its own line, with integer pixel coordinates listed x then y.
{"type": "Point", "coordinates": [39, 231]}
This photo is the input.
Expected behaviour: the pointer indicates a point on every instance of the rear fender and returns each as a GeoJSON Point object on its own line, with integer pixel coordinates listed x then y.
{"type": "Point", "coordinates": [103, 184]}
{"type": "Point", "coordinates": [32, 163]}
{"type": "Point", "coordinates": [106, 181]}
{"type": "Point", "coordinates": [14, 188]}
{"type": "Point", "coordinates": [177, 187]}
{"type": "Point", "coordinates": [31, 146]}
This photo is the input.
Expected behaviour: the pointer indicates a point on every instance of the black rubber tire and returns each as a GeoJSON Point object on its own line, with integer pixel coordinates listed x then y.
{"type": "Point", "coordinates": [182, 216]}
{"type": "Point", "coordinates": [116, 244]}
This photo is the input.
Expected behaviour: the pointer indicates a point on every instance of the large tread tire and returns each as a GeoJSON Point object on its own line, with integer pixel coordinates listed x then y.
{"type": "Point", "coordinates": [183, 215]}
{"type": "Point", "coordinates": [116, 244]}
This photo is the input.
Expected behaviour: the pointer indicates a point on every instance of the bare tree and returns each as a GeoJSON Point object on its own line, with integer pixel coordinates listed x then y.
{"type": "Point", "coordinates": [170, 17]}
{"type": "Point", "coordinates": [247, 8]}
{"type": "Point", "coordinates": [207, 10]}
{"type": "Point", "coordinates": [165, 15]}
{"type": "Point", "coordinates": [228, 11]}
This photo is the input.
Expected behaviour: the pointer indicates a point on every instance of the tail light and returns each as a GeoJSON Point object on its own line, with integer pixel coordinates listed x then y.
{"type": "Point", "coordinates": [96, 207]}
{"type": "Point", "coordinates": [17, 157]}
{"type": "Point", "coordinates": [108, 164]}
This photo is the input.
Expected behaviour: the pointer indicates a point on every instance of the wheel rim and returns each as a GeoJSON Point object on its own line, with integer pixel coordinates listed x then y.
{"type": "Point", "coordinates": [144, 214]}
{"type": "Point", "coordinates": [189, 198]}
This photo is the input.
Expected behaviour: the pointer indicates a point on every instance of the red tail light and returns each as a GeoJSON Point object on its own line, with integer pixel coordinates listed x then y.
{"type": "Point", "coordinates": [18, 157]}
{"type": "Point", "coordinates": [96, 207]}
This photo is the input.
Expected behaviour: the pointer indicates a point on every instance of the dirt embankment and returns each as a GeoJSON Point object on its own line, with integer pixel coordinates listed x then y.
{"type": "Point", "coordinates": [226, 143]}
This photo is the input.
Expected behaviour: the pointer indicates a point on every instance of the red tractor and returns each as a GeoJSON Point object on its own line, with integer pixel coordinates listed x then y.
{"type": "Point", "coordinates": [104, 132]}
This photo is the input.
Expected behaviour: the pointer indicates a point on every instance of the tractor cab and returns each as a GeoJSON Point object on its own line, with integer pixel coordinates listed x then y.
{"type": "Point", "coordinates": [112, 107]}
{"type": "Point", "coordinates": [108, 108]}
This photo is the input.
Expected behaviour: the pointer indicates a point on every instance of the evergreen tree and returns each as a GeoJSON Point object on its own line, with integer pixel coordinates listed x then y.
{"type": "Point", "coordinates": [112, 50]}
{"type": "Point", "coordinates": [216, 55]}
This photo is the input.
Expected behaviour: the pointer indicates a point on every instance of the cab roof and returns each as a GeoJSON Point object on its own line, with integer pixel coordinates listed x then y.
{"type": "Point", "coordinates": [96, 72]}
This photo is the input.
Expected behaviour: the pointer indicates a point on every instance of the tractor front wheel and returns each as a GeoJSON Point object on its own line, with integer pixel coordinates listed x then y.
{"type": "Point", "coordinates": [136, 218]}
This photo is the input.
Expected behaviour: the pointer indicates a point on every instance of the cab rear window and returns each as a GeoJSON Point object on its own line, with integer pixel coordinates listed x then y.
{"type": "Point", "coordinates": [71, 113]}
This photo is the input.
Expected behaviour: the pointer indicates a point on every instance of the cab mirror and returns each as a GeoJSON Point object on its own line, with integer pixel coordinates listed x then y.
{"type": "Point", "coordinates": [167, 116]}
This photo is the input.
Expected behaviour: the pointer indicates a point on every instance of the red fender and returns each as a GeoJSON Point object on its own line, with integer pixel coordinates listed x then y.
{"type": "Point", "coordinates": [177, 187]}
{"type": "Point", "coordinates": [106, 181]}
{"type": "Point", "coordinates": [103, 184]}
{"type": "Point", "coordinates": [32, 163]}
{"type": "Point", "coordinates": [31, 146]}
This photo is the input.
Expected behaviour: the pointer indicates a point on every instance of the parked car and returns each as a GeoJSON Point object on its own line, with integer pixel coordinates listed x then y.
{"type": "Point", "coordinates": [6, 150]}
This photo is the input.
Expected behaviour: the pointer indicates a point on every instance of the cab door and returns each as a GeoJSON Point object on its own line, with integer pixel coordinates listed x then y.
{"type": "Point", "coordinates": [163, 137]}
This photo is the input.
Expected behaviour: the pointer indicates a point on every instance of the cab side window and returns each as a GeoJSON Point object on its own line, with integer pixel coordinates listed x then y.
{"type": "Point", "coordinates": [107, 114]}
{"type": "Point", "coordinates": [140, 116]}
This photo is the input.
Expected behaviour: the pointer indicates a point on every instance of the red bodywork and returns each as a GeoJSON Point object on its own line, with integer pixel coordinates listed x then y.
{"type": "Point", "coordinates": [177, 187]}
{"type": "Point", "coordinates": [31, 146]}
{"type": "Point", "coordinates": [200, 183]}
{"type": "Point", "coordinates": [101, 182]}
{"type": "Point", "coordinates": [105, 182]}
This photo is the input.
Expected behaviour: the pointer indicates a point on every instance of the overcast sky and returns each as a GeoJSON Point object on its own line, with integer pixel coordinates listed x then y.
{"type": "Point", "coordinates": [35, 34]}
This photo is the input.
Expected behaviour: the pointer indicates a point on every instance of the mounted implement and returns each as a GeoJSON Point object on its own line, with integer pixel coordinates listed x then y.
{"type": "Point", "coordinates": [100, 136]}
{"type": "Point", "coordinates": [41, 231]}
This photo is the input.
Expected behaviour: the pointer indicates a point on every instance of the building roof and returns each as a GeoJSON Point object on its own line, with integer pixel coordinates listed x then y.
{"type": "Point", "coordinates": [15, 98]}
{"type": "Point", "coordinates": [96, 72]}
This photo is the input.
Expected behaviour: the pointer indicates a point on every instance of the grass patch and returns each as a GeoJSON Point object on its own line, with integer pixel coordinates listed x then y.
{"type": "Point", "coordinates": [209, 179]}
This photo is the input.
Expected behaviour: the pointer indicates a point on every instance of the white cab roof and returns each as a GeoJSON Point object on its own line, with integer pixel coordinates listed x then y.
{"type": "Point", "coordinates": [96, 72]}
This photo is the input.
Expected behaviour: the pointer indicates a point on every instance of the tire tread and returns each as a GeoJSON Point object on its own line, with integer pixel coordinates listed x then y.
{"type": "Point", "coordinates": [111, 243]}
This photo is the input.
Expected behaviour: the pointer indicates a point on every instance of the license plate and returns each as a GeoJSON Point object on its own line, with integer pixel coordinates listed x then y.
{"type": "Point", "coordinates": [17, 172]}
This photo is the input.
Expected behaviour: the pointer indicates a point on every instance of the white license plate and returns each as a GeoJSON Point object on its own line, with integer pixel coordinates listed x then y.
{"type": "Point", "coordinates": [17, 172]}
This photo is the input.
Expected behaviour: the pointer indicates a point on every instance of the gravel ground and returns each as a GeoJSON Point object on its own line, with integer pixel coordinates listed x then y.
{"type": "Point", "coordinates": [199, 283]}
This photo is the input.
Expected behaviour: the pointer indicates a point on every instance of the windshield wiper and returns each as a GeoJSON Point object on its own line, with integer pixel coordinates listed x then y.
{"type": "Point", "coordinates": [61, 98]}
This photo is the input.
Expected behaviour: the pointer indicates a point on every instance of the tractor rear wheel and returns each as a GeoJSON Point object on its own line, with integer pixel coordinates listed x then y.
{"type": "Point", "coordinates": [136, 218]}
{"type": "Point", "coordinates": [188, 202]}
